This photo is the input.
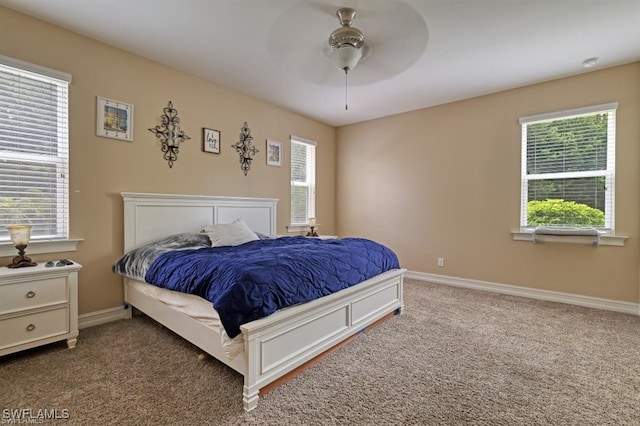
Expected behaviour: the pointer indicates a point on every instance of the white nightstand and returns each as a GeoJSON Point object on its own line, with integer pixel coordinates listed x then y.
{"type": "Point", "coordinates": [38, 305]}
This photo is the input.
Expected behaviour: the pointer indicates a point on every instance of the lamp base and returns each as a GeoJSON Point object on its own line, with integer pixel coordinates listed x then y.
{"type": "Point", "coordinates": [312, 233]}
{"type": "Point", "coordinates": [21, 262]}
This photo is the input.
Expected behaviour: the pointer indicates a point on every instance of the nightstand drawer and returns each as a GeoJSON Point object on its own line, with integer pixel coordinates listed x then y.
{"type": "Point", "coordinates": [34, 294]}
{"type": "Point", "coordinates": [27, 328]}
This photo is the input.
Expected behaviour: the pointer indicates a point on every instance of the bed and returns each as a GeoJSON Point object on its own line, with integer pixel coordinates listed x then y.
{"type": "Point", "coordinates": [273, 347]}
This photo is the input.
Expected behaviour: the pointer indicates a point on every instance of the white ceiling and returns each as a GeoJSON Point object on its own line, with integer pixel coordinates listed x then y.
{"type": "Point", "coordinates": [423, 52]}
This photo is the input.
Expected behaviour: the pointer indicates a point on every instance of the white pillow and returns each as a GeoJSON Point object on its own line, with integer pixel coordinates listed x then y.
{"type": "Point", "coordinates": [229, 234]}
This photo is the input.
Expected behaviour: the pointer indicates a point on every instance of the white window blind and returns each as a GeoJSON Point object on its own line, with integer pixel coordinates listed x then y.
{"type": "Point", "coordinates": [303, 180]}
{"type": "Point", "coordinates": [34, 149]}
{"type": "Point", "coordinates": [568, 168]}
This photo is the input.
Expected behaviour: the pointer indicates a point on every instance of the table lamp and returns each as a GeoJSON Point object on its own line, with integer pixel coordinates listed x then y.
{"type": "Point", "coordinates": [312, 224]}
{"type": "Point", "coordinates": [20, 235]}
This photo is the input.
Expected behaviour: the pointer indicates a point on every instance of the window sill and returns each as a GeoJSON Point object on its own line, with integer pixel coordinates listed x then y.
{"type": "Point", "coordinates": [605, 240]}
{"type": "Point", "coordinates": [300, 228]}
{"type": "Point", "coordinates": [37, 247]}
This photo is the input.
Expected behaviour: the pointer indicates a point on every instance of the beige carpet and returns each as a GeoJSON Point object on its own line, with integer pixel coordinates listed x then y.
{"type": "Point", "coordinates": [456, 356]}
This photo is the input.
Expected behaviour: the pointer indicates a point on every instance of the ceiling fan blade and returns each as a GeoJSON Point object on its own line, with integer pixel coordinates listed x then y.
{"type": "Point", "coordinates": [328, 9]}
{"type": "Point", "coordinates": [331, 7]}
{"type": "Point", "coordinates": [370, 70]}
{"type": "Point", "coordinates": [306, 63]}
{"type": "Point", "coordinates": [317, 69]}
{"type": "Point", "coordinates": [396, 47]}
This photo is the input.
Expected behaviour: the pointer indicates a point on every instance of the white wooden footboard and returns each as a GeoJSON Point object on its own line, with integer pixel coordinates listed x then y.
{"type": "Point", "coordinates": [287, 339]}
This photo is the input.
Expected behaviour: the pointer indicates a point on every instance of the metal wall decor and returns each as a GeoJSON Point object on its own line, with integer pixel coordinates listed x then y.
{"type": "Point", "coordinates": [170, 134]}
{"type": "Point", "coordinates": [246, 150]}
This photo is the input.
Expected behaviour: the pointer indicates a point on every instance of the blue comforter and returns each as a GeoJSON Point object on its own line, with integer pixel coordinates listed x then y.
{"type": "Point", "coordinates": [253, 280]}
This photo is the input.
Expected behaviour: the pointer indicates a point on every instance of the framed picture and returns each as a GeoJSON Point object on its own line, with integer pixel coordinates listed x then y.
{"type": "Point", "coordinates": [274, 153]}
{"type": "Point", "coordinates": [114, 119]}
{"type": "Point", "coordinates": [211, 140]}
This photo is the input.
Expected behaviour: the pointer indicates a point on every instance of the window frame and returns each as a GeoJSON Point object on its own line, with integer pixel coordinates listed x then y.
{"type": "Point", "coordinates": [310, 182]}
{"type": "Point", "coordinates": [60, 160]}
{"type": "Point", "coordinates": [607, 232]}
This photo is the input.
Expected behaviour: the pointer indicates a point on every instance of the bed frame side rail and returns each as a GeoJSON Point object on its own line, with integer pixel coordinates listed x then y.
{"type": "Point", "coordinates": [201, 335]}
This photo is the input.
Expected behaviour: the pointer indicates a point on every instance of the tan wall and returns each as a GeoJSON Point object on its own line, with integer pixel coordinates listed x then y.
{"type": "Point", "coordinates": [445, 182]}
{"type": "Point", "coordinates": [438, 182]}
{"type": "Point", "coordinates": [101, 168]}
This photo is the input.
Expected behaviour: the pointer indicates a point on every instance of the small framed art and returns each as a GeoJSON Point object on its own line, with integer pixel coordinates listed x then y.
{"type": "Point", "coordinates": [274, 153]}
{"type": "Point", "coordinates": [114, 119]}
{"type": "Point", "coordinates": [211, 140]}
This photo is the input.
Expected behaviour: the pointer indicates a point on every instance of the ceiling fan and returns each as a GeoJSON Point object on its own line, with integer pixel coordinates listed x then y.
{"type": "Point", "coordinates": [391, 36]}
{"type": "Point", "coordinates": [347, 45]}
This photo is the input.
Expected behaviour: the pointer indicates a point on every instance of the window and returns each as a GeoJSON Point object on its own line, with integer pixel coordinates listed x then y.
{"type": "Point", "coordinates": [568, 168]}
{"type": "Point", "coordinates": [34, 149]}
{"type": "Point", "coordinates": [303, 180]}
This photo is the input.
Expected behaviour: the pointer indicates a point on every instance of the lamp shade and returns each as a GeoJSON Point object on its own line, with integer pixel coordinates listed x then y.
{"type": "Point", "coordinates": [346, 57]}
{"type": "Point", "coordinates": [20, 234]}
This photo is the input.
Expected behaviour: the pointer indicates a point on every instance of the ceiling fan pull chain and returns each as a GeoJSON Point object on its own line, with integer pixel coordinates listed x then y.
{"type": "Point", "coordinates": [346, 93]}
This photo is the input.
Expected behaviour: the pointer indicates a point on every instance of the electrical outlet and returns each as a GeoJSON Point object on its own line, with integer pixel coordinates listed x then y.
{"type": "Point", "coordinates": [441, 262]}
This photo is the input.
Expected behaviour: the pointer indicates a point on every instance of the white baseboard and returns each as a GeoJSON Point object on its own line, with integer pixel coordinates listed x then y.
{"type": "Point", "coordinates": [552, 296]}
{"type": "Point", "coordinates": [117, 313]}
{"type": "Point", "coordinates": [101, 317]}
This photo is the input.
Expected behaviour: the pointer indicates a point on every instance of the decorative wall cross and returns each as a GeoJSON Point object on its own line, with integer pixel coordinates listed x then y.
{"type": "Point", "coordinates": [170, 134]}
{"type": "Point", "coordinates": [246, 150]}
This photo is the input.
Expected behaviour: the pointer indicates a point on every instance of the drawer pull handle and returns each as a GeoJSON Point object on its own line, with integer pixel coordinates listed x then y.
{"type": "Point", "coordinates": [31, 327]}
{"type": "Point", "coordinates": [31, 295]}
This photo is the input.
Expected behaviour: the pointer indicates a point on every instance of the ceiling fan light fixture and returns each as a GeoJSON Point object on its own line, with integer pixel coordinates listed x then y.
{"type": "Point", "coordinates": [346, 57]}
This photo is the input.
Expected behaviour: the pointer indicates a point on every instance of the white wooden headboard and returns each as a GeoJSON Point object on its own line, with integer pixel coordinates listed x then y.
{"type": "Point", "coordinates": [149, 217]}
